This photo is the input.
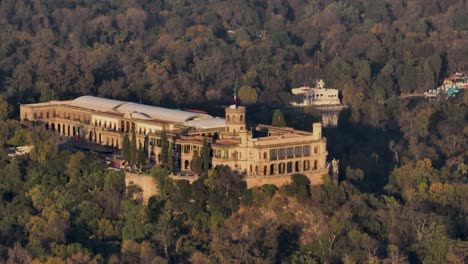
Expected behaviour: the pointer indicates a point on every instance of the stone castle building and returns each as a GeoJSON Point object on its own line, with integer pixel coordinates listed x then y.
{"type": "Point", "coordinates": [266, 154]}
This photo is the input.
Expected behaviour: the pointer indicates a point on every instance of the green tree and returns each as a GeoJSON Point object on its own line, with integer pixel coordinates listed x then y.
{"type": "Point", "coordinates": [133, 149]}
{"type": "Point", "coordinates": [43, 149]}
{"type": "Point", "coordinates": [75, 165]}
{"type": "Point", "coordinates": [4, 109]}
{"type": "Point", "coordinates": [126, 152]}
{"type": "Point", "coordinates": [167, 231]}
{"type": "Point", "coordinates": [135, 226]}
{"type": "Point", "coordinates": [170, 158]}
{"type": "Point", "coordinates": [247, 95]}
{"type": "Point", "coordinates": [205, 155]}
{"type": "Point", "coordinates": [299, 187]}
{"type": "Point", "coordinates": [141, 156]}
{"type": "Point", "coordinates": [226, 188]}
{"type": "Point", "coordinates": [20, 138]}
{"type": "Point", "coordinates": [433, 244]}
{"type": "Point", "coordinates": [164, 147]}
{"type": "Point", "coordinates": [47, 94]}
{"type": "Point", "coordinates": [196, 165]}
{"type": "Point", "coordinates": [165, 184]}
{"type": "Point", "coordinates": [354, 175]}
{"type": "Point", "coordinates": [115, 180]}
{"type": "Point", "coordinates": [278, 119]}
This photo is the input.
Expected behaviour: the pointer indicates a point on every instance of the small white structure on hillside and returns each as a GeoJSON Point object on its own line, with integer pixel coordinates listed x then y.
{"type": "Point", "coordinates": [319, 95]}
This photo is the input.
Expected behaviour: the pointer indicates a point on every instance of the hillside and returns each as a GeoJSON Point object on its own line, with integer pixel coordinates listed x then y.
{"type": "Point", "coordinates": [403, 177]}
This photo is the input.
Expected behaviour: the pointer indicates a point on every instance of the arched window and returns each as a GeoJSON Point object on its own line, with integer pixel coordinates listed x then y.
{"type": "Point", "coordinates": [281, 168]}
{"type": "Point", "coordinates": [241, 118]}
{"type": "Point", "coordinates": [272, 169]}
{"type": "Point", "coordinates": [265, 155]}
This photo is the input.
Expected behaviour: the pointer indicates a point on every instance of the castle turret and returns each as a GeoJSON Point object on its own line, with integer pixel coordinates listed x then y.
{"type": "Point", "coordinates": [235, 119]}
{"type": "Point", "coordinates": [317, 130]}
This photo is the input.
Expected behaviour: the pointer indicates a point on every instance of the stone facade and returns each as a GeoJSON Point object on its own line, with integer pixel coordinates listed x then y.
{"type": "Point", "coordinates": [266, 154]}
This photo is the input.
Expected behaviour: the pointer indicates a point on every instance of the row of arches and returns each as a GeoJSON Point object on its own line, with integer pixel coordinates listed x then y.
{"type": "Point", "coordinates": [98, 138]}
{"type": "Point", "coordinates": [62, 129]}
{"type": "Point", "coordinates": [93, 136]}
{"type": "Point", "coordinates": [234, 117]}
{"type": "Point", "coordinates": [284, 167]}
{"type": "Point", "coordinates": [105, 124]}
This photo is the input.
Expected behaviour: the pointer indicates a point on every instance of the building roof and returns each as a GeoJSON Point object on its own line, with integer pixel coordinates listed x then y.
{"type": "Point", "coordinates": [96, 103]}
{"type": "Point", "coordinates": [214, 122]}
{"type": "Point", "coordinates": [148, 112]}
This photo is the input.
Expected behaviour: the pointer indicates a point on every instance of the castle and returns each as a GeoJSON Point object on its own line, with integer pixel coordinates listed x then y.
{"type": "Point", "coordinates": [266, 154]}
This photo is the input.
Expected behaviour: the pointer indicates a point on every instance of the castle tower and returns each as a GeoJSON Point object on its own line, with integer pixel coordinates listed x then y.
{"type": "Point", "coordinates": [317, 130]}
{"type": "Point", "coordinates": [235, 119]}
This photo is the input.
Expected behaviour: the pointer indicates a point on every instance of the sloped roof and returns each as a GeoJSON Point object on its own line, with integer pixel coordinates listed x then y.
{"type": "Point", "coordinates": [214, 122]}
{"type": "Point", "coordinates": [96, 103]}
{"type": "Point", "coordinates": [160, 113]}
{"type": "Point", "coordinates": [147, 112]}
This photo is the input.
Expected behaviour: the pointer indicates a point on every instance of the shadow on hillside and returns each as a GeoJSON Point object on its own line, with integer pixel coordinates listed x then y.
{"type": "Point", "coordinates": [364, 147]}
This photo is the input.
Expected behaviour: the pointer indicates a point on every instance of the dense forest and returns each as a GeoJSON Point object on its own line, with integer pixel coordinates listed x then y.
{"type": "Point", "coordinates": [402, 194]}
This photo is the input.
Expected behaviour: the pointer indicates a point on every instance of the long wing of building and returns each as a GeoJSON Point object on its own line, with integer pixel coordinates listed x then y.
{"type": "Point", "coordinates": [266, 154]}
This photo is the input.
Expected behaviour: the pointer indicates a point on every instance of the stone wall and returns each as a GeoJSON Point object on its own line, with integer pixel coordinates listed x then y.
{"type": "Point", "coordinates": [150, 188]}
{"type": "Point", "coordinates": [314, 177]}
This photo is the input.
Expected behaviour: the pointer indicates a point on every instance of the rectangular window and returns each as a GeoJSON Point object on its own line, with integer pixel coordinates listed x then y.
{"type": "Point", "coordinates": [225, 154]}
{"type": "Point", "coordinates": [273, 154]}
{"type": "Point", "coordinates": [290, 153]}
{"type": "Point", "coordinates": [186, 148]}
{"type": "Point", "coordinates": [282, 153]}
{"type": "Point", "coordinates": [158, 143]}
{"type": "Point", "coordinates": [47, 115]}
{"type": "Point", "coordinates": [35, 116]}
{"type": "Point", "coordinates": [217, 153]}
{"type": "Point", "coordinates": [298, 152]}
{"type": "Point", "coordinates": [306, 151]}
{"type": "Point", "coordinates": [152, 142]}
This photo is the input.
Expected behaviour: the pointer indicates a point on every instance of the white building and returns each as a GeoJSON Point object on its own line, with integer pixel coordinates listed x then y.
{"type": "Point", "coordinates": [319, 95]}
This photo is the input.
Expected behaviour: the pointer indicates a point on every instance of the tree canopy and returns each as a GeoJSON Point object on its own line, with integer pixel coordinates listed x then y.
{"type": "Point", "coordinates": [401, 194]}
